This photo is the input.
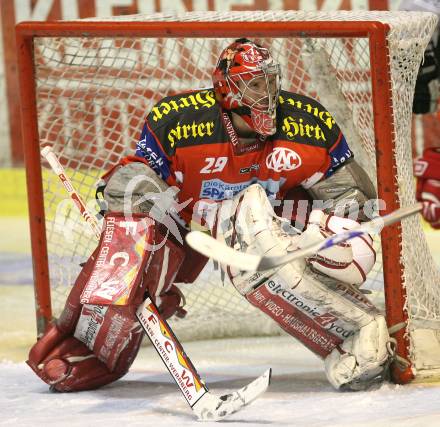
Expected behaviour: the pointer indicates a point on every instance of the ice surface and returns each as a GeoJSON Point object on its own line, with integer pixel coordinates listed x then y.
{"type": "Point", "coordinates": [299, 394]}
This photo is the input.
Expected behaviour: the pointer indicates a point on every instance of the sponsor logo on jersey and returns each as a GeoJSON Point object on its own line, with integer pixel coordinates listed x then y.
{"type": "Point", "coordinates": [339, 155]}
{"type": "Point", "coordinates": [241, 149]}
{"type": "Point", "coordinates": [188, 131]}
{"type": "Point", "coordinates": [336, 161]}
{"type": "Point", "coordinates": [216, 189]}
{"type": "Point", "coordinates": [321, 113]}
{"type": "Point", "coordinates": [294, 127]}
{"type": "Point", "coordinates": [153, 158]}
{"type": "Point", "coordinates": [196, 100]}
{"type": "Point", "coordinates": [230, 129]}
{"type": "Point", "coordinates": [283, 159]}
{"type": "Point", "coordinates": [251, 168]}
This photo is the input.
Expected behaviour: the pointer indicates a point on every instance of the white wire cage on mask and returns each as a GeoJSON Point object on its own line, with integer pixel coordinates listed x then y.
{"type": "Point", "coordinates": [264, 99]}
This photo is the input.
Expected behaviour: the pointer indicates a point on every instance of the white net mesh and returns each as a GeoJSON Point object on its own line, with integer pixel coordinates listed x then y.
{"type": "Point", "coordinates": [93, 95]}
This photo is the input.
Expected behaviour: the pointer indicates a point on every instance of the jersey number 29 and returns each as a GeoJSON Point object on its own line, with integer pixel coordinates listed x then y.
{"type": "Point", "coordinates": [214, 164]}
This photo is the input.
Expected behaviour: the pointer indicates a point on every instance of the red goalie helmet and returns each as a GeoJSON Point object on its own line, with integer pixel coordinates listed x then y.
{"type": "Point", "coordinates": [247, 81]}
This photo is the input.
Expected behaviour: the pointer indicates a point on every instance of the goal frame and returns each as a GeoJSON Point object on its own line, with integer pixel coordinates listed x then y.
{"type": "Point", "coordinates": [375, 31]}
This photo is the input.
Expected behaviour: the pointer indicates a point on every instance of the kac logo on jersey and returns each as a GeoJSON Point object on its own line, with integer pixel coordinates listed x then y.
{"type": "Point", "coordinates": [283, 159]}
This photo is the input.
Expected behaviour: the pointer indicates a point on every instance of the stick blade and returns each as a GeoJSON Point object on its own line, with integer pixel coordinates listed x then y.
{"type": "Point", "coordinates": [212, 408]}
{"type": "Point", "coordinates": [212, 248]}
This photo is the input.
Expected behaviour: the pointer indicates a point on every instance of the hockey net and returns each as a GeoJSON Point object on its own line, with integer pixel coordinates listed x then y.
{"type": "Point", "coordinates": [94, 88]}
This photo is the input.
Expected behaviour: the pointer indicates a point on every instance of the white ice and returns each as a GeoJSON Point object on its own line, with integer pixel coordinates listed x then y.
{"type": "Point", "coordinates": [299, 394]}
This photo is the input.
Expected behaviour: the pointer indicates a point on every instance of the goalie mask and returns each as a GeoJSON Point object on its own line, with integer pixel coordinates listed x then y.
{"type": "Point", "coordinates": [247, 81]}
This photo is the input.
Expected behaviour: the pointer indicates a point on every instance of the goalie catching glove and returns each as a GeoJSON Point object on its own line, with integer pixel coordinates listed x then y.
{"type": "Point", "coordinates": [312, 299]}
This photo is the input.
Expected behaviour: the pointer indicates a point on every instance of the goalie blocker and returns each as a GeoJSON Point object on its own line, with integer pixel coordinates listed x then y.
{"type": "Point", "coordinates": [313, 300]}
{"type": "Point", "coordinates": [97, 336]}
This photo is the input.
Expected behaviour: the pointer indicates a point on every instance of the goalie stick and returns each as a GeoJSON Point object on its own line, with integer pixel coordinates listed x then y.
{"type": "Point", "coordinates": [212, 248]}
{"type": "Point", "coordinates": [57, 167]}
{"type": "Point", "coordinates": [205, 405]}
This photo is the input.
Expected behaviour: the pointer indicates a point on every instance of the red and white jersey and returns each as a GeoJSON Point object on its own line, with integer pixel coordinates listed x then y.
{"type": "Point", "coordinates": [190, 143]}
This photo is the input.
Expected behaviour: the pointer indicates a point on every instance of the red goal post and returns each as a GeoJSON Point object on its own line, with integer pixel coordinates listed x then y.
{"type": "Point", "coordinates": [373, 109]}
